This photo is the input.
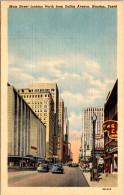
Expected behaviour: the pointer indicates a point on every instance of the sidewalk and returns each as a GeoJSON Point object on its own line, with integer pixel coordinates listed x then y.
{"type": "Point", "coordinates": [110, 181]}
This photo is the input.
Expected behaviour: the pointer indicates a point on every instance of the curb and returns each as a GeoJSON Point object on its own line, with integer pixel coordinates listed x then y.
{"type": "Point", "coordinates": [84, 175]}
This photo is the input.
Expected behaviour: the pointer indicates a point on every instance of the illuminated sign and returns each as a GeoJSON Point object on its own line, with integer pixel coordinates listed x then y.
{"type": "Point", "coordinates": [110, 127]}
{"type": "Point", "coordinates": [98, 136]}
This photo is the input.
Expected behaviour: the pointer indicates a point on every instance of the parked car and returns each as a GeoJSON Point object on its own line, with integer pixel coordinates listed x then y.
{"type": "Point", "coordinates": [75, 165]}
{"type": "Point", "coordinates": [57, 168]}
{"type": "Point", "coordinates": [43, 167]}
{"type": "Point", "coordinates": [50, 165]}
{"type": "Point", "coordinates": [70, 164]}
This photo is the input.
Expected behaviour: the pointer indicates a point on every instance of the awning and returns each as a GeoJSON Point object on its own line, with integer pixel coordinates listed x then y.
{"type": "Point", "coordinates": [107, 157]}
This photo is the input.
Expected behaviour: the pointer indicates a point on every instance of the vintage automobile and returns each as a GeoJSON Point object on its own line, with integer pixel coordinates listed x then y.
{"type": "Point", "coordinates": [50, 165]}
{"type": "Point", "coordinates": [57, 168]}
{"type": "Point", "coordinates": [75, 165]}
{"type": "Point", "coordinates": [43, 167]}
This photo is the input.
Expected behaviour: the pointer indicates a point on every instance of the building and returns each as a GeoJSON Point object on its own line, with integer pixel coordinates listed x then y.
{"type": "Point", "coordinates": [81, 149]}
{"type": "Point", "coordinates": [70, 157]}
{"type": "Point", "coordinates": [66, 133]}
{"type": "Point", "coordinates": [111, 118]}
{"type": "Point", "coordinates": [26, 132]}
{"type": "Point", "coordinates": [60, 130]}
{"type": "Point", "coordinates": [88, 130]}
{"type": "Point", "coordinates": [53, 89]}
{"type": "Point", "coordinates": [42, 104]}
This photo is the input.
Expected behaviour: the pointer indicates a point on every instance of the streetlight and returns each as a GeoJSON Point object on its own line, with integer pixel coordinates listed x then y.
{"type": "Point", "coordinates": [22, 157]}
{"type": "Point", "coordinates": [93, 118]}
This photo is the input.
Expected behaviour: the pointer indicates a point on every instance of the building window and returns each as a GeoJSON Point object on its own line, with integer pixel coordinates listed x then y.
{"type": "Point", "coordinates": [52, 89]}
{"type": "Point", "coordinates": [32, 96]}
{"type": "Point", "coordinates": [36, 96]}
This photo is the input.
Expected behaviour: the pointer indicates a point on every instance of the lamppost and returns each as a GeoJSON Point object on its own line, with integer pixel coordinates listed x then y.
{"type": "Point", "coordinates": [35, 159]}
{"type": "Point", "coordinates": [22, 157]}
{"type": "Point", "coordinates": [93, 118]}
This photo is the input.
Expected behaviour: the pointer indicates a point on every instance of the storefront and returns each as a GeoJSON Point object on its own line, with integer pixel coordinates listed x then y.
{"type": "Point", "coordinates": [111, 145]}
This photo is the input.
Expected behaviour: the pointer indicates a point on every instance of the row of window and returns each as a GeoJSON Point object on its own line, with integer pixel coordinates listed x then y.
{"type": "Point", "coordinates": [36, 102]}
{"type": "Point", "coordinates": [35, 96]}
{"type": "Point", "coordinates": [45, 106]}
{"type": "Point", "coordinates": [36, 90]}
{"type": "Point", "coordinates": [94, 109]}
{"type": "Point", "coordinates": [39, 110]}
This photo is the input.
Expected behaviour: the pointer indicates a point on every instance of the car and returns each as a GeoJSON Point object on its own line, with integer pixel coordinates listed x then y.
{"type": "Point", "coordinates": [75, 165]}
{"type": "Point", "coordinates": [43, 167]}
{"type": "Point", "coordinates": [70, 164]}
{"type": "Point", "coordinates": [57, 168]}
{"type": "Point", "coordinates": [50, 165]}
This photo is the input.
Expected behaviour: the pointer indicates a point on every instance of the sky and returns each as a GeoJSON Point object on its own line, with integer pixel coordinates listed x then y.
{"type": "Point", "coordinates": [76, 48]}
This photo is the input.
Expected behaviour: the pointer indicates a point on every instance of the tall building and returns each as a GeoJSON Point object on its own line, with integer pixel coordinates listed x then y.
{"type": "Point", "coordinates": [66, 133]}
{"type": "Point", "coordinates": [69, 152]}
{"type": "Point", "coordinates": [81, 149]}
{"type": "Point", "coordinates": [60, 130]}
{"type": "Point", "coordinates": [53, 89]}
{"type": "Point", "coordinates": [26, 132]}
{"type": "Point", "coordinates": [88, 129]}
{"type": "Point", "coordinates": [42, 104]}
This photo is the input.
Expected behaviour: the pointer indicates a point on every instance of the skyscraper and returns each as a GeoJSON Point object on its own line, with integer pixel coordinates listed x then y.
{"type": "Point", "coordinates": [88, 129]}
{"type": "Point", "coordinates": [42, 104]}
{"type": "Point", "coordinates": [53, 89]}
{"type": "Point", "coordinates": [66, 132]}
{"type": "Point", "coordinates": [60, 130]}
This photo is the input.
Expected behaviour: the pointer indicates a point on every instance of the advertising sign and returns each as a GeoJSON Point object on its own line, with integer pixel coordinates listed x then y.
{"type": "Point", "coordinates": [98, 136]}
{"type": "Point", "coordinates": [110, 126]}
{"type": "Point", "coordinates": [33, 147]}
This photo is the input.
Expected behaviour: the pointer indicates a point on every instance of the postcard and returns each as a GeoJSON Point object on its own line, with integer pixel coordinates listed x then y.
{"type": "Point", "coordinates": [61, 97]}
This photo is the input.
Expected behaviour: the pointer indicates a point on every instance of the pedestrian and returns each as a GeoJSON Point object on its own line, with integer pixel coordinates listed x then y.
{"type": "Point", "coordinates": [107, 169]}
{"type": "Point", "coordinates": [96, 173]}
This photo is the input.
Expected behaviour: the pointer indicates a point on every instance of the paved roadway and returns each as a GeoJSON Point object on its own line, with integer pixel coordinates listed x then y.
{"type": "Point", "coordinates": [72, 177]}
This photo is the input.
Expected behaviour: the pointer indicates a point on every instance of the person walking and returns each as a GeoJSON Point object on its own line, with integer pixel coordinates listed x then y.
{"type": "Point", "coordinates": [107, 169]}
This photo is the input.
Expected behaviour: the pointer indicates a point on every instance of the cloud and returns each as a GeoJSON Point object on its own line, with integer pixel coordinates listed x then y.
{"type": "Point", "coordinates": [92, 65]}
{"type": "Point", "coordinates": [17, 76]}
{"type": "Point", "coordinates": [74, 135]}
{"type": "Point", "coordinates": [75, 121]}
{"type": "Point", "coordinates": [73, 101]}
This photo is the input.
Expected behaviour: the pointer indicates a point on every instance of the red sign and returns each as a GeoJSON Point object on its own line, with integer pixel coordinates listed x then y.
{"type": "Point", "coordinates": [98, 136]}
{"type": "Point", "coordinates": [110, 127]}
{"type": "Point", "coordinates": [33, 147]}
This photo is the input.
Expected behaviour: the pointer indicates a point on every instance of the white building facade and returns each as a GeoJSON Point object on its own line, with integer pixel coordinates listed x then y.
{"type": "Point", "coordinates": [87, 138]}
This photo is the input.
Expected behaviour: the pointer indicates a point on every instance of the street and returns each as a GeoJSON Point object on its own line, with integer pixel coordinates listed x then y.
{"type": "Point", "coordinates": [72, 177]}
